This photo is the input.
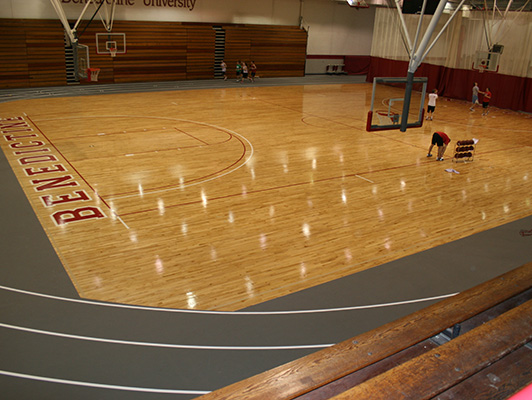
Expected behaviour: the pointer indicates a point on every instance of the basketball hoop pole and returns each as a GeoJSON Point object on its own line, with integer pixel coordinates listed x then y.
{"type": "Point", "coordinates": [418, 55]}
{"type": "Point", "coordinates": [71, 32]}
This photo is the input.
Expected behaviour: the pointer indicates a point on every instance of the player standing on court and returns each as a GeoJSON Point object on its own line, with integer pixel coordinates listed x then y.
{"type": "Point", "coordinates": [486, 101]}
{"type": "Point", "coordinates": [432, 103]}
{"type": "Point", "coordinates": [253, 71]}
{"type": "Point", "coordinates": [474, 98]}
{"type": "Point", "coordinates": [238, 71]}
{"type": "Point", "coordinates": [224, 69]}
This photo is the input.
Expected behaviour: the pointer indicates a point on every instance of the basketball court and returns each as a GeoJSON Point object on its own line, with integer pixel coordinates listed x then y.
{"type": "Point", "coordinates": [203, 199]}
{"type": "Point", "coordinates": [188, 209]}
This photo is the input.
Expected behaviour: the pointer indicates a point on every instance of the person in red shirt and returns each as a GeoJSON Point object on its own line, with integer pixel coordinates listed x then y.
{"type": "Point", "coordinates": [441, 140]}
{"type": "Point", "coordinates": [486, 101]}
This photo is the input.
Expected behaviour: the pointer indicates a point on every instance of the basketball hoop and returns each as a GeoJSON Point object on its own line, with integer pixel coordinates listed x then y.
{"type": "Point", "coordinates": [92, 74]}
{"type": "Point", "coordinates": [112, 50]}
{"type": "Point", "coordinates": [385, 117]}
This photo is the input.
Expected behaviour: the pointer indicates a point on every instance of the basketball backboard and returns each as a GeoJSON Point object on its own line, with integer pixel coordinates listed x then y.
{"type": "Point", "coordinates": [486, 61]}
{"type": "Point", "coordinates": [111, 43]}
{"type": "Point", "coordinates": [81, 60]}
{"type": "Point", "coordinates": [387, 102]}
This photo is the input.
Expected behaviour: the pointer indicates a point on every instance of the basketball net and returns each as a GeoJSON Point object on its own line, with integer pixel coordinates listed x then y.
{"type": "Point", "coordinates": [92, 74]}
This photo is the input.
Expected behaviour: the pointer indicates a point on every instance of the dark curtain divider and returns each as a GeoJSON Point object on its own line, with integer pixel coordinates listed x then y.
{"type": "Point", "coordinates": [510, 92]}
{"type": "Point", "coordinates": [357, 65]}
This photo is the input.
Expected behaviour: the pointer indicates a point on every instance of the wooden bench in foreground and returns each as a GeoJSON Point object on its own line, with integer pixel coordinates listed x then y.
{"type": "Point", "coordinates": [487, 355]}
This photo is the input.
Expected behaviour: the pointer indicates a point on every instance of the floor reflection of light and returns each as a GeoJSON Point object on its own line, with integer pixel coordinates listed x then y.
{"type": "Point", "coordinates": [244, 191]}
{"type": "Point", "coordinates": [203, 198]}
{"type": "Point", "coordinates": [181, 182]}
{"type": "Point", "coordinates": [344, 197]}
{"type": "Point", "coordinates": [506, 208]}
{"type": "Point", "coordinates": [231, 218]}
{"type": "Point", "coordinates": [486, 187]}
{"type": "Point", "coordinates": [113, 211]}
{"type": "Point", "coordinates": [159, 265]}
{"type": "Point", "coordinates": [184, 228]}
{"type": "Point", "coordinates": [272, 211]}
{"type": "Point", "coordinates": [303, 270]}
{"type": "Point", "coordinates": [98, 282]}
{"type": "Point", "coordinates": [310, 204]}
{"type": "Point", "coordinates": [483, 215]}
{"type": "Point", "coordinates": [525, 177]}
{"type": "Point", "coordinates": [191, 300]}
{"type": "Point", "coordinates": [348, 255]}
{"type": "Point", "coordinates": [388, 244]}
{"type": "Point", "coordinates": [141, 191]}
{"type": "Point", "coordinates": [381, 214]}
{"type": "Point", "coordinates": [285, 168]}
{"type": "Point", "coordinates": [374, 190]}
{"type": "Point", "coordinates": [263, 241]}
{"type": "Point", "coordinates": [464, 194]}
{"type": "Point", "coordinates": [306, 230]}
{"type": "Point", "coordinates": [403, 185]}
{"type": "Point", "coordinates": [133, 236]}
{"type": "Point", "coordinates": [314, 163]}
{"type": "Point", "coordinates": [252, 171]}
{"type": "Point", "coordinates": [250, 288]}
{"type": "Point", "coordinates": [160, 206]}
{"type": "Point", "coordinates": [214, 254]}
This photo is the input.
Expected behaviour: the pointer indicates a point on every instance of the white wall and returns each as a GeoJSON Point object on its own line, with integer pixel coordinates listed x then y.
{"type": "Point", "coordinates": [337, 29]}
{"type": "Point", "coordinates": [274, 12]}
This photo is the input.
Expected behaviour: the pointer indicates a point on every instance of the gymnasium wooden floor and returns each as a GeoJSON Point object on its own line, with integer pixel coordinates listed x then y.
{"type": "Point", "coordinates": [220, 199]}
{"type": "Point", "coordinates": [269, 199]}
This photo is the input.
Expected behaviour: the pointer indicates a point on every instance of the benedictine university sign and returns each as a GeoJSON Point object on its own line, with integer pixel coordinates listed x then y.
{"type": "Point", "coordinates": [185, 4]}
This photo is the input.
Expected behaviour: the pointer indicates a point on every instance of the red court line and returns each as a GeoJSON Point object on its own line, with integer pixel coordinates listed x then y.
{"type": "Point", "coordinates": [192, 136]}
{"type": "Point", "coordinates": [106, 133]}
{"type": "Point", "coordinates": [68, 162]}
{"type": "Point", "coordinates": [192, 180]}
{"type": "Point", "coordinates": [155, 151]}
{"type": "Point", "coordinates": [277, 188]}
{"type": "Point", "coordinates": [331, 120]}
{"type": "Point", "coordinates": [399, 141]}
{"type": "Point", "coordinates": [356, 175]}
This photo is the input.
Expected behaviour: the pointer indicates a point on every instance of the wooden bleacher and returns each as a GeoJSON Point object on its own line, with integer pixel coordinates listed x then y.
{"type": "Point", "coordinates": [34, 51]}
{"type": "Point", "coordinates": [471, 346]}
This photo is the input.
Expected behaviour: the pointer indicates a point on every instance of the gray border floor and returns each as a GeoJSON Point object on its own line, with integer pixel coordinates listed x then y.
{"type": "Point", "coordinates": [54, 345]}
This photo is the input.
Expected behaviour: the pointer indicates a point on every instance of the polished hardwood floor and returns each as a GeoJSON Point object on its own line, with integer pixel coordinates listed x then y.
{"type": "Point", "coordinates": [220, 199]}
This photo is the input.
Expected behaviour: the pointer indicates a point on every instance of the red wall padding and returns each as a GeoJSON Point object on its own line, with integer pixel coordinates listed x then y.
{"type": "Point", "coordinates": [510, 92]}
{"type": "Point", "coordinates": [357, 65]}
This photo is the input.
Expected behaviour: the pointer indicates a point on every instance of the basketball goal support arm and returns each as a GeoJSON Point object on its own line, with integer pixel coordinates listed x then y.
{"type": "Point", "coordinates": [71, 32]}
{"type": "Point", "coordinates": [64, 20]}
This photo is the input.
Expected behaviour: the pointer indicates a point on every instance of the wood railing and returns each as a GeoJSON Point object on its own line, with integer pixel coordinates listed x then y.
{"type": "Point", "coordinates": [407, 359]}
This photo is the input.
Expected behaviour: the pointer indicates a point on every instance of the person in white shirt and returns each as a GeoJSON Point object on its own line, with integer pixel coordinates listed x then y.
{"type": "Point", "coordinates": [432, 104]}
{"type": "Point", "coordinates": [474, 97]}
